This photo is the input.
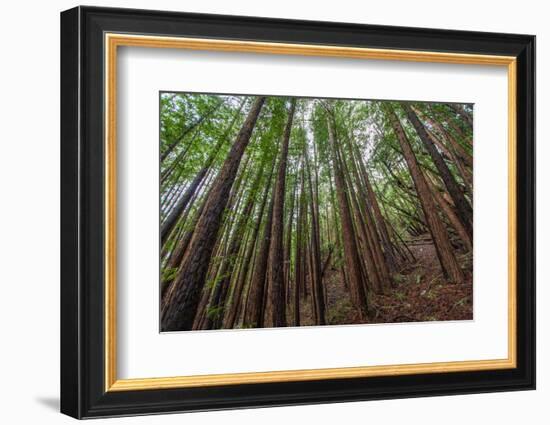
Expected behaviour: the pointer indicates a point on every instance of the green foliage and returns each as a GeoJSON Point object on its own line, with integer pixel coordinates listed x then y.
{"type": "Point", "coordinates": [214, 313]}
{"type": "Point", "coordinates": [399, 278]}
{"type": "Point", "coordinates": [168, 273]}
{"type": "Point", "coordinates": [400, 296]}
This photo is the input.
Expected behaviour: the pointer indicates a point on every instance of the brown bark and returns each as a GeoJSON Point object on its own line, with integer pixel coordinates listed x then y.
{"type": "Point", "coordinates": [316, 267]}
{"type": "Point", "coordinates": [175, 259]}
{"type": "Point", "coordinates": [451, 215]}
{"type": "Point", "coordinates": [219, 295]}
{"type": "Point", "coordinates": [460, 151]}
{"type": "Point", "coordinates": [463, 208]}
{"type": "Point", "coordinates": [277, 279]}
{"type": "Point", "coordinates": [179, 249]}
{"type": "Point", "coordinates": [218, 263]}
{"type": "Point", "coordinates": [327, 262]}
{"type": "Point", "coordinates": [288, 247]}
{"type": "Point", "coordinates": [254, 313]}
{"type": "Point", "coordinates": [381, 224]}
{"type": "Point", "coordinates": [368, 225]}
{"type": "Point", "coordinates": [351, 254]}
{"type": "Point", "coordinates": [448, 262]}
{"type": "Point", "coordinates": [243, 272]}
{"type": "Point", "coordinates": [172, 219]}
{"type": "Point", "coordinates": [456, 157]}
{"type": "Point", "coordinates": [183, 295]}
{"type": "Point", "coordinates": [299, 272]}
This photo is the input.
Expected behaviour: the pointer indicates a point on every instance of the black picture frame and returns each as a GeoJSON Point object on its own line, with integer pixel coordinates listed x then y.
{"type": "Point", "coordinates": [83, 392]}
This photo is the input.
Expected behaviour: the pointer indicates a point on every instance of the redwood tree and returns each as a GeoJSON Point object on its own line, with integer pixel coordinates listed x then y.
{"type": "Point", "coordinates": [447, 259]}
{"type": "Point", "coordinates": [180, 306]}
{"type": "Point", "coordinates": [277, 252]}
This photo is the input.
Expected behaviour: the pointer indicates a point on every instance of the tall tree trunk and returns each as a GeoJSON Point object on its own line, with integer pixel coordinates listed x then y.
{"type": "Point", "coordinates": [182, 298]}
{"type": "Point", "coordinates": [277, 249]}
{"type": "Point", "coordinates": [464, 209]}
{"type": "Point", "coordinates": [365, 246]}
{"type": "Point", "coordinates": [380, 221]}
{"type": "Point", "coordinates": [218, 263]}
{"type": "Point", "coordinates": [219, 294]}
{"type": "Point", "coordinates": [255, 302]}
{"type": "Point", "coordinates": [243, 273]}
{"type": "Point", "coordinates": [316, 267]}
{"type": "Point", "coordinates": [460, 160]}
{"type": "Point", "coordinates": [368, 226]}
{"type": "Point", "coordinates": [351, 254]}
{"type": "Point", "coordinates": [451, 215]}
{"type": "Point", "coordinates": [172, 219]}
{"type": "Point", "coordinates": [449, 264]}
{"type": "Point", "coordinates": [462, 153]}
{"type": "Point", "coordinates": [299, 273]}
{"type": "Point", "coordinates": [364, 241]}
{"type": "Point", "coordinates": [288, 248]}
{"type": "Point", "coordinates": [180, 248]}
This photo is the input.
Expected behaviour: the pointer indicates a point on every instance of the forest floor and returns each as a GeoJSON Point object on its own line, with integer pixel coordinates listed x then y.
{"type": "Point", "coordinates": [421, 293]}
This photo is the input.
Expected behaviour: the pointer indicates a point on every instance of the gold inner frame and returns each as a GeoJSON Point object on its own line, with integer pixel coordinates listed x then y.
{"type": "Point", "coordinates": [113, 41]}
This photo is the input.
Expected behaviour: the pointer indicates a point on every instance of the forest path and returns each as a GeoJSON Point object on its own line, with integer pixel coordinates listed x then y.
{"type": "Point", "coordinates": [421, 293]}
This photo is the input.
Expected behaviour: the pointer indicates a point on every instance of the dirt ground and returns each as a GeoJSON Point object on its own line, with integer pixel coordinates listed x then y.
{"type": "Point", "coordinates": [421, 294]}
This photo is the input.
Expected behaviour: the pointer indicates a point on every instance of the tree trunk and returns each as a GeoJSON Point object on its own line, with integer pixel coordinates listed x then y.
{"type": "Point", "coordinates": [172, 218]}
{"type": "Point", "coordinates": [243, 273]}
{"type": "Point", "coordinates": [316, 267]}
{"type": "Point", "coordinates": [380, 221]}
{"type": "Point", "coordinates": [288, 248]}
{"type": "Point", "coordinates": [254, 306]}
{"type": "Point", "coordinates": [277, 250]}
{"type": "Point", "coordinates": [184, 294]}
{"type": "Point", "coordinates": [451, 215]}
{"type": "Point", "coordinates": [220, 291]}
{"type": "Point", "coordinates": [448, 262]}
{"type": "Point", "coordinates": [351, 254]}
{"type": "Point", "coordinates": [368, 225]}
{"type": "Point", "coordinates": [464, 210]}
{"type": "Point", "coordinates": [180, 248]}
{"type": "Point", "coordinates": [459, 159]}
{"type": "Point", "coordinates": [299, 273]}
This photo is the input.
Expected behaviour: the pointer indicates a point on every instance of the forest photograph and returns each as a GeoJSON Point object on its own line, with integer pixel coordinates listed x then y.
{"type": "Point", "coordinates": [287, 211]}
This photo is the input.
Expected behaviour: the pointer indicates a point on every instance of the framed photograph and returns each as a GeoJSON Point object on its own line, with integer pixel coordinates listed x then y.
{"type": "Point", "coordinates": [261, 212]}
